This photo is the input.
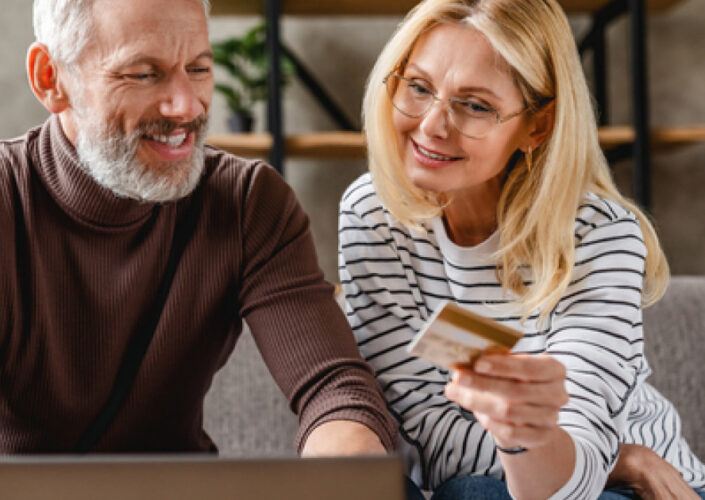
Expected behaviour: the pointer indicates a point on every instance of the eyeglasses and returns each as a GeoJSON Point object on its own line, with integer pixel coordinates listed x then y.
{"type": "Point", "coordinates": [472, 118]}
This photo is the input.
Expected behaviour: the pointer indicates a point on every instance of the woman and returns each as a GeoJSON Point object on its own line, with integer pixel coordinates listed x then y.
{"type": "Point", "coordinates": [488, 188]}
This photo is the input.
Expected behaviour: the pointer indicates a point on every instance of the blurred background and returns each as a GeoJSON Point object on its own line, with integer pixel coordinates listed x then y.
{"type": "Point", "coordinates": [340, 51]}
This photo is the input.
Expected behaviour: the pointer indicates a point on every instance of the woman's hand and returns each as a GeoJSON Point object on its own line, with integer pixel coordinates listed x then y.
{"type": "Point", "coordinates": [516, 397]}
{"type": "Point", "coordinates": [649, 475]}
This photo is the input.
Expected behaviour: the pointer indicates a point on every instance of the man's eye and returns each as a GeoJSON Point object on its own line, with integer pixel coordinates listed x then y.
{"type": "Point", "coordinates": [141, 76]}
{"type": "Point", "coordinates": [199, 72]}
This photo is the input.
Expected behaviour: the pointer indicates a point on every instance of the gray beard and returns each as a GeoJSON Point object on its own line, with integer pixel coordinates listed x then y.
{"type": "Point", "coordinates": [110, 157]}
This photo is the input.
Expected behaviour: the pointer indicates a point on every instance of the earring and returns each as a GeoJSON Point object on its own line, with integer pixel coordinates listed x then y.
{"type": "Point", "coordinates": [528, 159]}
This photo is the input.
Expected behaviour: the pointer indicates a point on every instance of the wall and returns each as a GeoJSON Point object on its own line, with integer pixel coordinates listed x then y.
{"type": "Point", "coordinates": [340, 52]}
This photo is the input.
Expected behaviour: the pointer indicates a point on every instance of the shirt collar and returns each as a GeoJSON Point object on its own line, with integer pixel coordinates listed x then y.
{"type": "Point", "coordinates": [75, 190]}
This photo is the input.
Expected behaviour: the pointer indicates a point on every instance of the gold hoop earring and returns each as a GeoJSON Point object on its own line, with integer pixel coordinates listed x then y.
{"type": "Point", "coordinates": [528, 159]}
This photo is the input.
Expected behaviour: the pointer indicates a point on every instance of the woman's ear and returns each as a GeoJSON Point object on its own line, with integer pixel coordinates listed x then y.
{"type": "Point", "coordinates": [541, 124]}
{"type": "Point", "coordinates": [43, 75]}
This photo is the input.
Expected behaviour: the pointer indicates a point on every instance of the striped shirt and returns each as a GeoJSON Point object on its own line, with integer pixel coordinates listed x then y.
{"type": "Point", "coordinates": [394, 277]}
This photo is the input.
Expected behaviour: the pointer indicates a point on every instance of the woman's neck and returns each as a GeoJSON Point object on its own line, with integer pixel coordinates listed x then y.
{"type": "Point", "coordinates": [470, 216]}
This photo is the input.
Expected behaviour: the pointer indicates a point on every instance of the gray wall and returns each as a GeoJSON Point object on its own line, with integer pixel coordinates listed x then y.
{"type": "Point", "coordinates": [341, 51]}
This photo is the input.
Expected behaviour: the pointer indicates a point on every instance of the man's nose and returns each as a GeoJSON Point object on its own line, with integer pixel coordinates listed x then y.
{"type": "Point", "coordinates": [436, 121]}
{"type": "Point", "coordinates": [180, 101]}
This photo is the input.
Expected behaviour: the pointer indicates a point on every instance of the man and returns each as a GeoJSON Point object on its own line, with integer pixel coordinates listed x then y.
{"type": "Point", "coordinates": [93, 204]}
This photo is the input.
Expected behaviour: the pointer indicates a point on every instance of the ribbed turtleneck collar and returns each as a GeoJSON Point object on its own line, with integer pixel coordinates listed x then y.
{"type": "Point", "coordinates": [74, 189]}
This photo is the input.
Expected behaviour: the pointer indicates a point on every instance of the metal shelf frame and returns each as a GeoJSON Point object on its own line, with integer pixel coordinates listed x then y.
{"type": "Point", "coordinates": [594, 40]}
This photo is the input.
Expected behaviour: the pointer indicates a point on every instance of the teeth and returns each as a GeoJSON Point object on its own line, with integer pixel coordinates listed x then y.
{"type": "Point", "coordinates": [171, 140]}
{"type": "Point", "coordinates": [434, 156]}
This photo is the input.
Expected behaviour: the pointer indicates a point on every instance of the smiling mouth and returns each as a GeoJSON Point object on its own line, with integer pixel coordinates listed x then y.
{"type": "Point", "coordinates": [435, 156]}
{"type": "Point", "coordinates": [173, 141]}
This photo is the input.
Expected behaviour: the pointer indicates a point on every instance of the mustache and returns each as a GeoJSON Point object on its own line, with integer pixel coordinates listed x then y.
{"type": "Point", "coordinates": [163, 126]}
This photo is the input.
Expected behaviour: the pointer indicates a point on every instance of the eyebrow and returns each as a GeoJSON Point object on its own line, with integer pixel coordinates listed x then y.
{"type": "Point", "coordinates": [155, 61]}
{"type": "Point", "coordinates": [473, 88]}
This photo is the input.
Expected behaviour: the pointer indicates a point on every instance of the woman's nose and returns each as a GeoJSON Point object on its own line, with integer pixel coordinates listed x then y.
{"type": "Point", "coordinates": [436, 122]}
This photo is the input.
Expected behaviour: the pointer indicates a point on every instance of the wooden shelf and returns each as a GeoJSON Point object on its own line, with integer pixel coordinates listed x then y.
{"type": "Point", "coordinates": [578, 6]}
{"type": "Point", "coordinates": [380, 7]}
{"type": "Point", "coordinates": [661, 138]}
{"type": "Point", "coordinates": [311, 145]}
{"type": "Point", "coordinates": [351, 145]}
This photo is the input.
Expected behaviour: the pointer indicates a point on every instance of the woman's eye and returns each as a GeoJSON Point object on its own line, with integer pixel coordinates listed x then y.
{"type": "Point", "coordinates": [200, 70]}
{"type": "Point", "coordinates": [475, 108]}
{"type": "Point", "coordinates": [419, 89]}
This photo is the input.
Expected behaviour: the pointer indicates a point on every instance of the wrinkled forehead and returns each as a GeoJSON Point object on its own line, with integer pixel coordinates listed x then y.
{"type": "Point", "coordinates": [457, 37]}
{"type": "Point", "coordinates": [154, 27]}
{"type": "Point", "coordinates": [460, 55]}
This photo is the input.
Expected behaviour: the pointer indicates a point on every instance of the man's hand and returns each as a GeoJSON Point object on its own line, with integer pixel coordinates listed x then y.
{"type": "Point", "coordinates": [342, 437]}
{"type": "Point", "coordinates": [649, 475]}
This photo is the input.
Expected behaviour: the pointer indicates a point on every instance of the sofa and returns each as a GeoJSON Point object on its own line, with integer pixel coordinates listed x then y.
{"type": "Point", "coordinates": [246, 414]}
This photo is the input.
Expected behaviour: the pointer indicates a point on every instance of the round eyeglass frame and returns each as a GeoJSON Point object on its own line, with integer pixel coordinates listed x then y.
{"type": "Point", "coordinates": [498, 120]}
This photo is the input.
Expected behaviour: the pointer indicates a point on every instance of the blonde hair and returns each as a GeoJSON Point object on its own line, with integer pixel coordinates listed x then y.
{"type": "Point", "coordinates": [536, 213]}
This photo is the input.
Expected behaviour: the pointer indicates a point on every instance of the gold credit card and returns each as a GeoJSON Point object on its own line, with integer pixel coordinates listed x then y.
{"type": "Point", "coordinates": [454, 335]}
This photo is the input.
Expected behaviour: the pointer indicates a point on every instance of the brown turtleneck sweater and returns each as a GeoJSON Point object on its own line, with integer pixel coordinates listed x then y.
{"type": "Point", "coordinates": [79, 269]}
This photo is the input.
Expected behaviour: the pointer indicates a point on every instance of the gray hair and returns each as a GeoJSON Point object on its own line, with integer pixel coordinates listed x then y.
{"type": "Point", "coordinates": [65, 26]}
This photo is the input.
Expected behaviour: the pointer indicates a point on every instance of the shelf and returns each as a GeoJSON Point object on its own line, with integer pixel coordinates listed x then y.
{"type": "Point", "coordinates": [311, 145]}
{"type": "Point", "coordinates": [333, 145]}
{"type": "Point", "coordinates": [578, 6]}
{"type": "Point", "coordinates": [660, 138]}
{"type": "Point", "coordinates": [380, 8]}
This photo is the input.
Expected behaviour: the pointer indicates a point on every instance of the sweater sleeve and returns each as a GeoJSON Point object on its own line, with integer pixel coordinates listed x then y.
{"type": "Point", "coordinates": [295, 321]}
{"type": "Point", "coordinates": [386, 309]}
{"type": "Point", "coordinates": [596, 332]}
{"type": "Point", "coordinates": [10, 212]}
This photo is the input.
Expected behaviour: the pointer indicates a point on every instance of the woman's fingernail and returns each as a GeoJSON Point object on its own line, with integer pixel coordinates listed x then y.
{"type": "Point", "coordinates": [483, 367]}
{"type": "Point", "coordinates": [451, 391]}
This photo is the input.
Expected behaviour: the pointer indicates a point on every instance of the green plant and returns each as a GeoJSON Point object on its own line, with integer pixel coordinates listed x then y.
{"type": "Point", "coordinates": [246, 61]}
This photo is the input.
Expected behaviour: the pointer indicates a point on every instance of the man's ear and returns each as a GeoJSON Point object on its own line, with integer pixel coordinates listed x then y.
{"type": "Point", "coordinates": [542, 124]}
{"type": "Point", "coordinates": [43, 74]}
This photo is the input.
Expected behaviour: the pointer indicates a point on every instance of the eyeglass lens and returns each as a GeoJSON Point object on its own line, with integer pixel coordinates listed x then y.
{"type": "Point", "coordinates": [414, 100]}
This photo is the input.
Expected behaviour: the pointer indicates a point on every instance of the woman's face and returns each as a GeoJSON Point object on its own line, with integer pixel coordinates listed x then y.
{"type": "Point", "coordinates": [456, 61]}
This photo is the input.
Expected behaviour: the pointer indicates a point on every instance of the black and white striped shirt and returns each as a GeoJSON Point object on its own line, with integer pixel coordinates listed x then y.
{"type": "Point", "coordinates": [394, 277]}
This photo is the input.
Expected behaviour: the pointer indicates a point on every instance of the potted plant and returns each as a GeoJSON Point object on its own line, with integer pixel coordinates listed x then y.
{"type": "Point", "coordinates": [246, 61]}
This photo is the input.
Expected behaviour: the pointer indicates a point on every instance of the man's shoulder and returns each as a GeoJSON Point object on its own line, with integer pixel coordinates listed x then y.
{"type": "Point", "coordinates": [14, 152]}
{"type": "Point", "coordinates": [241, 180]}
{"type": "Point", "coordinates": [223, 165]}
{"type": "Point", "coordinates": [15, 160]}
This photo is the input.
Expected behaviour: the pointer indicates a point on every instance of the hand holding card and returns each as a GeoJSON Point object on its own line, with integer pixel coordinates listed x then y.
{"type": "Point", "coordinates": [454, 335]}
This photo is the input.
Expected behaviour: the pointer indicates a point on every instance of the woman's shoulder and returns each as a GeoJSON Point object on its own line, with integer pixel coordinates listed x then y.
{"type": "Point", "coordinates": [597, 213]}
{"type": "Point", "coordinates": [361, 191]}
{"type": "Point", "coordinates": [360, 200]}
{"type": "Point", "coordinates": [604, 225]}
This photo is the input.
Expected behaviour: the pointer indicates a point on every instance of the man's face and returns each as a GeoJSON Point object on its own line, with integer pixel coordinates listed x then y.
{"type": "Point", "coordinates": [144, 88]}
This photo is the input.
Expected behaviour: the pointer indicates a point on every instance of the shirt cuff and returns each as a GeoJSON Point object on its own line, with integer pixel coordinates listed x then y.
{"type": "Point", "coordinates": [366, 413]}
{"type": "Point", "coordinates": [588, 478]}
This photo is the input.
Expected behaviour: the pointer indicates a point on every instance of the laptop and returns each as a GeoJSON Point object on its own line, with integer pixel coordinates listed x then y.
{"type": "Point", "coordinates": [203, 478]}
